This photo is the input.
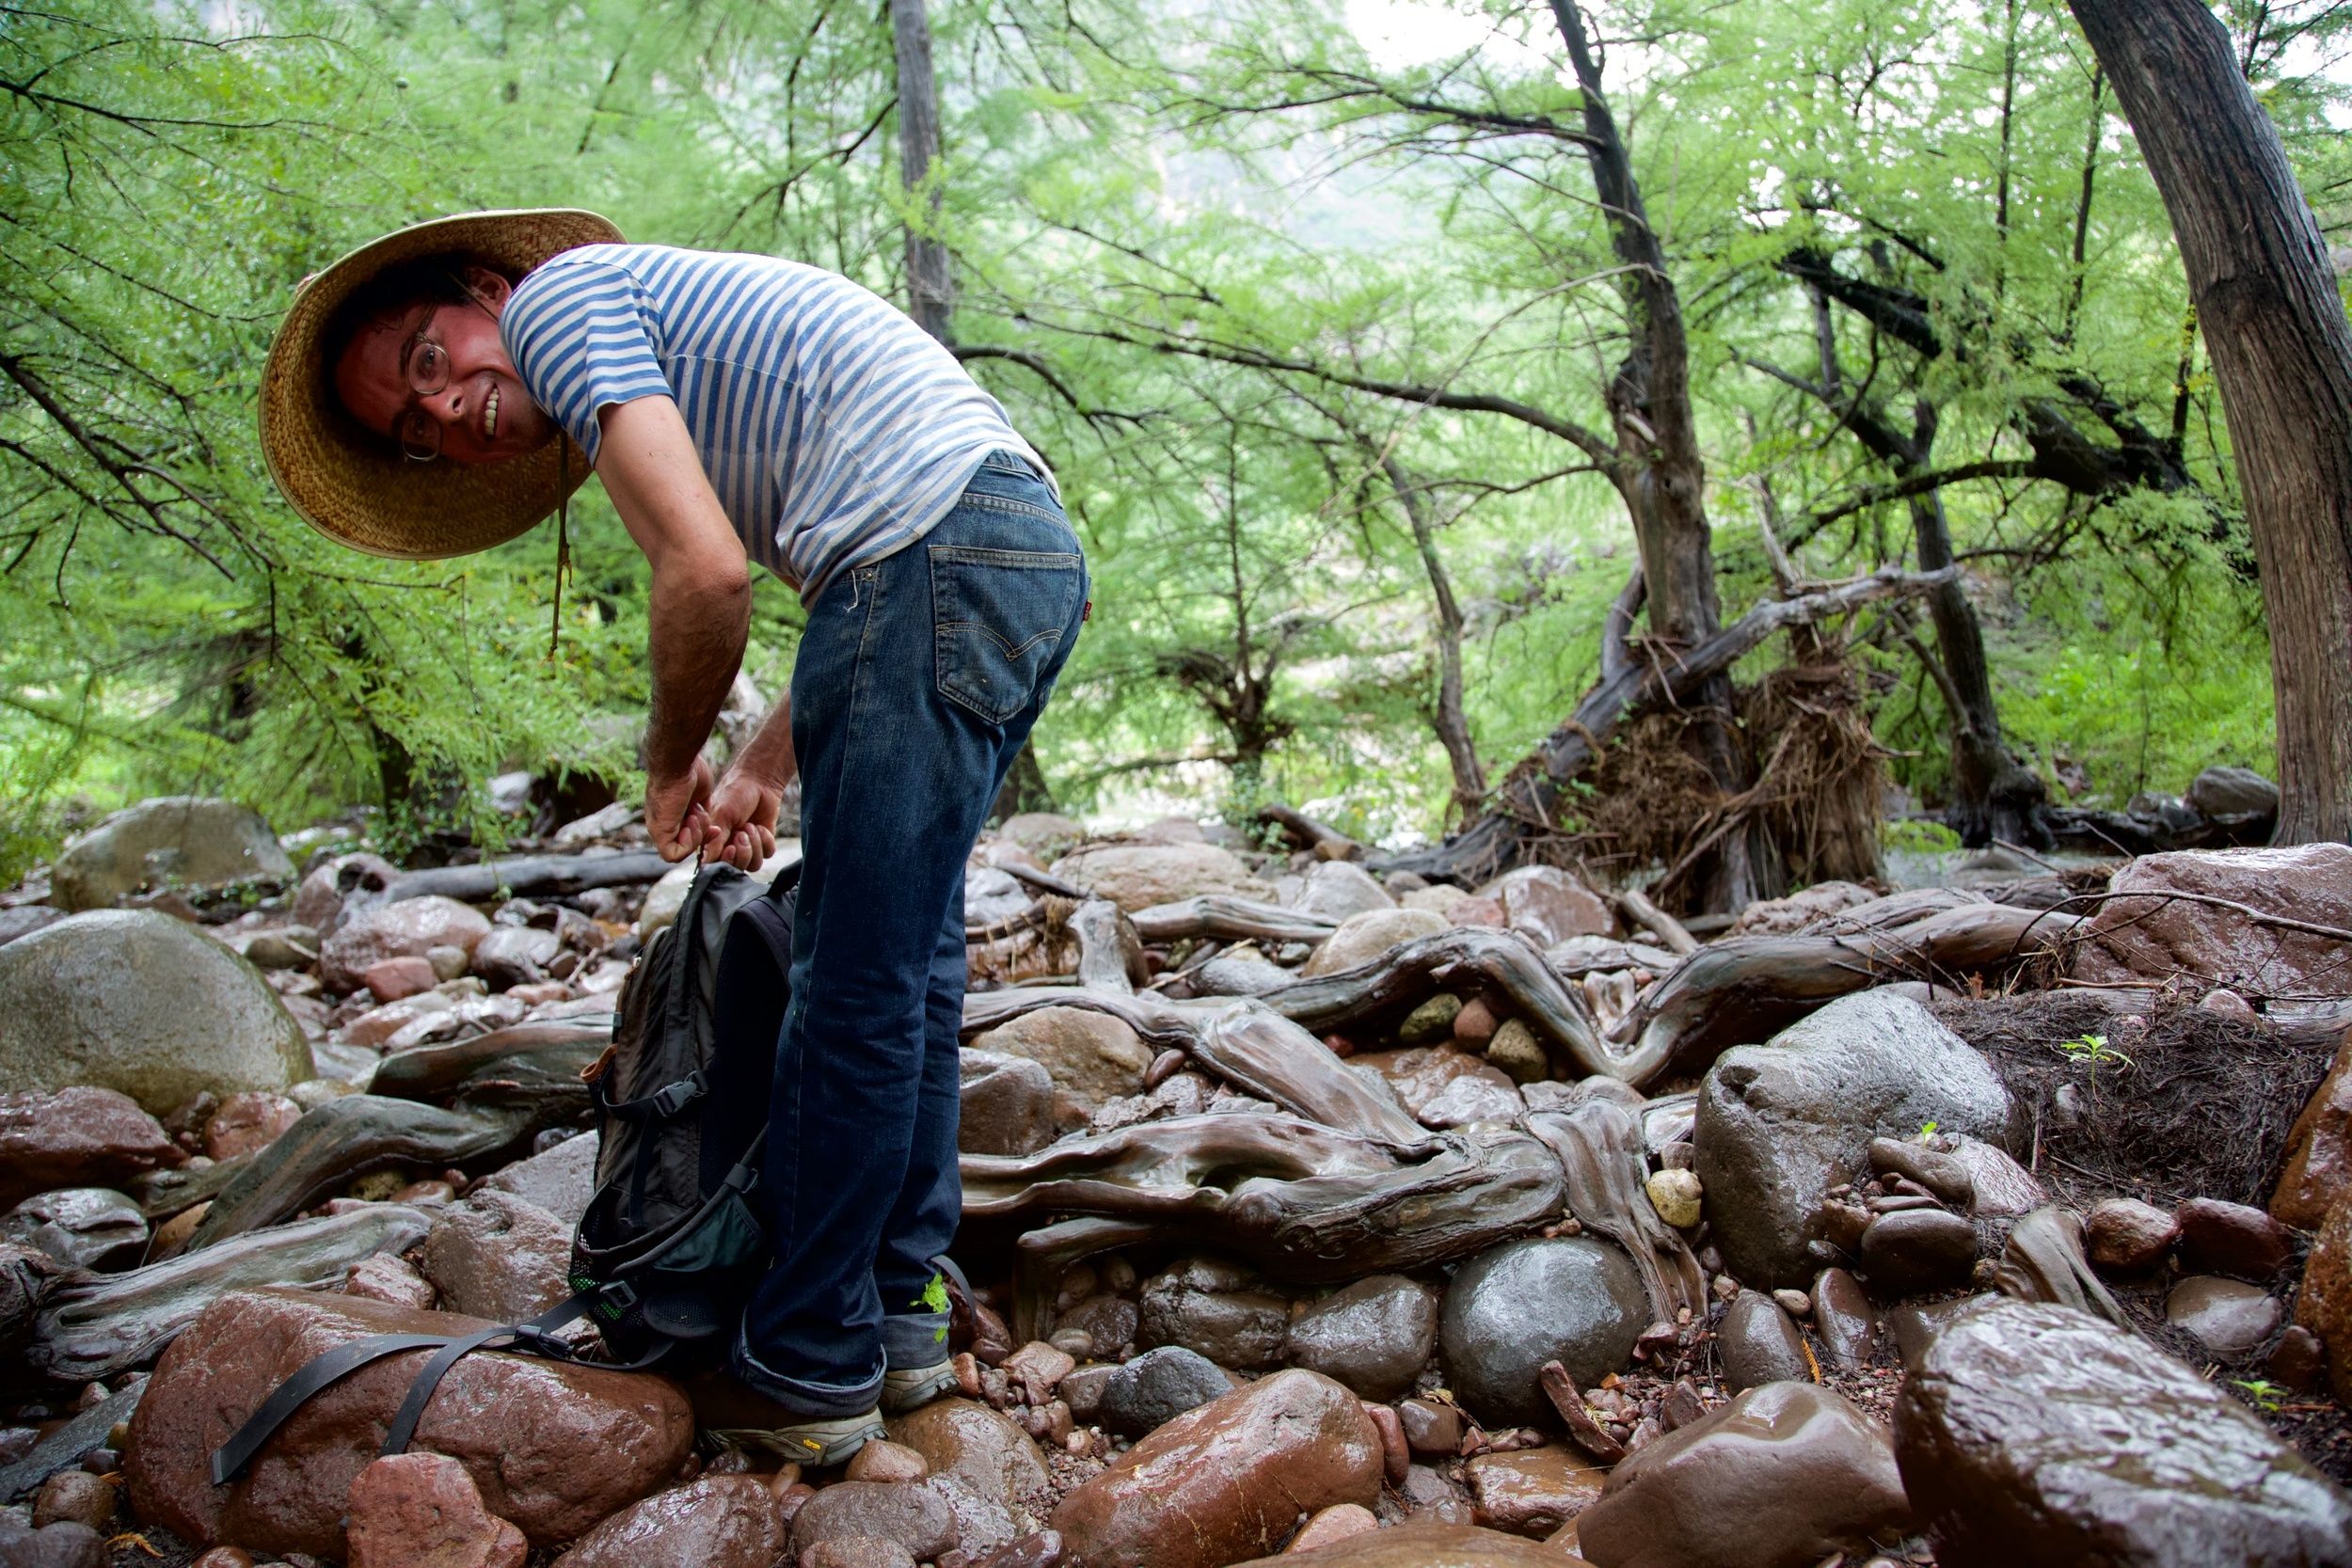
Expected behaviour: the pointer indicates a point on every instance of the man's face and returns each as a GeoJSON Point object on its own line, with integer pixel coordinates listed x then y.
{"type": "Point", "coordinates": [482, 414]}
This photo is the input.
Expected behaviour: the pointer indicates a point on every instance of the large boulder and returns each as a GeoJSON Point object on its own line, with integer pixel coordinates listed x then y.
{"type": "Point", "coordinates": [136, 1001]}
{"type": "Point", "coordinates": [1417, 1544]}
{"type": "Point", "coordinates": [2318, 1169]}
{"type": "Point", "coordinates": [78, 1138]}
{"type": "Point", "coordinates": [717, 1522]}
{"type": "Point", "coordinates": [183, 840]}
{"type": "Point", "coordinates": [1782, 1477]}
{"type": "Point", "coordinates": [1092, 1057]}
{"type": "Point", "coordinates": [1138, 876]}
{"type": "Point", "coordinates": [410, 928]}
{"type": "Point", "coordinates": [1238, 1472]}
{"type": "Point", "coordinates": [2155, 938]}
{"type": "Point", "coordinates": [1548, 904]}
{"type": "Point", "coordinates": [554, 1448]}
{"type": "Point", "coordinates": [1513, 1308]}
{"type": "Point", "coordinates": [1361, 938]}
{"type": "Point", "coordinates": [2035, 1436]}
{"type": "Point", "coordinates": [2235, 796]}
{"type": "Point", "coordinates": [1781, 1123]}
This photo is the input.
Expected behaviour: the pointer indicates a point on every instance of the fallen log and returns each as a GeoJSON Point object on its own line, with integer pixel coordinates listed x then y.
{"type": "Point", "coordinates": [101, 1324]}
{"type": "Point", "coordinates": [1305, 833]}
{"type": "Point", "coordinates": [435, 1071]}
{"type": "Point", "coordinates": [342, 1139]}
{"type": "Point", "coordinates": [530, 877]}
{"type": "Point", "coordinates": [1743, 990]}
{"type": "Point", "coordinates": [1528, 799]}
{"type": "Point", "coordinates": [1298, 1201]}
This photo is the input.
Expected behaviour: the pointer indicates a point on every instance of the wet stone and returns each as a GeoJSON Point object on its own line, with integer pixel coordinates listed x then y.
{"type": "Point", "coordinates": [1843, 1318]}
{"type": "Point", "coordinates": [75, 1497]}
{"type": "Point", "coordinates": [1433, 1430]}
{"type": "Point", "coordinates": [1914, 1326]}
{"type": "Point", "coordinates": [1157, 1386]}
{"type": "Point", "coordinates": [76, 1137]}
{"type": "Point", "coordinates": [2233, 1239]}
{"type": "Point", "coordinates": [1571, 1299]}
{"type": "Point", "coordinates": [498, 1255]}
{"type": "Point", "coordinates": [2229, 1318]}
{"type": "Point", "coordinates": [1373, 1336]}
{"type": "Point", "coordinates": [423, 1510]}
{"type": "Point", "coordinates": [717, 1522]}
{"type": "Point", "coordinates": [916, 1517]}
{"type": "Point", "coordinates": [1759, 1344]}
{"type": "Point", "coordinates": [60, 1546]}
{"type": "Point", "coordinates": [1198, 1306]}
{"type": "Point", "coordinates": [82, 1227]}
{"type": "Point", "coordinates": [1913, 1251]}
{"type": "Point", "coordinates": [248, 1123]}
{"type": "Point", "coordinates": [2124, 1236]}
{"type": "Point", "coordinates": [2038, 1434]}
{"type": "Point", "coordinates": [1333, 1525]}
{"type": "Point", "coordinates": [857, 1551]}
{"type": "Point", "coordinates": [1783, 1476]}
{"type": "Point", "coordinates": [1533, 1492]}
{"type": "Point", "coordinates": [1107, 1320]}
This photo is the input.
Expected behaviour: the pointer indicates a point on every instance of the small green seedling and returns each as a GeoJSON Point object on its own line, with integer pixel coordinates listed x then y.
{"type": "Point", "coordinates": [1926, 1131]}
{"type": "Point", "coordinates": [2266, 1395]}
{"type": "Point", "coordinates": [2093, 1050]}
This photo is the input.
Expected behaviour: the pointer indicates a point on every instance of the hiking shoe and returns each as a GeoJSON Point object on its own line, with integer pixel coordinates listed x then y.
{"type": "Point", "coordinates": [913, 1387]}
{"type": "Point", "coordinates": [813, 1442]}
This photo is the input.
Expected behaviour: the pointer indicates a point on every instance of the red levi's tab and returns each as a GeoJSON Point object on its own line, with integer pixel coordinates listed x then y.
{"type": "Point", "coordinates": [1086, 613]}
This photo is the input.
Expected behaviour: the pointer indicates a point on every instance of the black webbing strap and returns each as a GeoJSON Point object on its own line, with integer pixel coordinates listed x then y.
{"type": "Point", "coordinates": [230, 1458]}
{"type": "Point", "coordinates": [536, 1337]}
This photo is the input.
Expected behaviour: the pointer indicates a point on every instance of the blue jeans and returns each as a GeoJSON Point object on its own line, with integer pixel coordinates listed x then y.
{"type": "Point", "coordinates": [917, 684]}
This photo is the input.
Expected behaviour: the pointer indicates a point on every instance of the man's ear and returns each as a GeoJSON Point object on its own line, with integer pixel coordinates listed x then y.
{"type": "Point", "coordinates": [488, 288]}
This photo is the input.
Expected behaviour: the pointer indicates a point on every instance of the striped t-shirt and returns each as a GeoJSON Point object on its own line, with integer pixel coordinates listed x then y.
{"type": "Point", "coordinates": [834, 430]}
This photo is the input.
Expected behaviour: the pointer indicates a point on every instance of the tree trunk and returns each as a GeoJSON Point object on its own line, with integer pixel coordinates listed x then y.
{"type": "Point", "coordinates": [1446, 717]}
{"type": "Point", "coordinates": [2281, 351]}
{"type": "Point", "coordinates": [930, 283]}
{"type": "Point", "coordinates": [1660, 470]}
{"type": "Point", "coordinates": [1026, 788]}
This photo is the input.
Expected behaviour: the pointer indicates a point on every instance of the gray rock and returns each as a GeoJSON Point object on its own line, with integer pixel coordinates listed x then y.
{"type": "Point", "coordinates": [84, 1227]}
{"type": "Point", "coordinates": [1202, 1306]}
{"type": "Point", "coordinates": [1779, 1124]}
{"type": "Point", "coordinates": [2035, 1435]}
{"type": "Point", "coordinates": [560, 1180]}
{"type": "Point", "coordinates": [1092, 1057]}
{"type": "Point", "coordinates": [1513, 1308]}
{"type": "Point", "coordinates": [1156, 1388]}
{"type": "Point", "coordinates": [24, 919]}
{"type": "Point", "coordinates": [1337, 889]}
{"type": "Point", "coordinates": [2227, 794]}
{"type": "Point", "coordinates": [515, 955]}
{"type": "Point", "coordinates": [1007, 1105]}
{"type": "Point", "coordinates": [1372, 1336]}
{"type": "Point", "coordinates": [136, 1001]}
{"type": "Point", "coordinates": [184, 840]}
{"type": "Point", "coordinates": [1759, 1344]}
{"type": "Point", "coordinates": [2229, 1318]}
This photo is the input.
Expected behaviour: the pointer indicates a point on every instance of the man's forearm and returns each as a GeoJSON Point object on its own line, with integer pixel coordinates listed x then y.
{"type": "Point", "coordinates": [698, 620]}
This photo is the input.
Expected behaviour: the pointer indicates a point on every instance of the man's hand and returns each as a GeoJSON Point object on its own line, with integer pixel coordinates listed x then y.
{"type": "Point", "coordinates": [742, 819]}
{"type": "Point", "coordinates": [677, 811]}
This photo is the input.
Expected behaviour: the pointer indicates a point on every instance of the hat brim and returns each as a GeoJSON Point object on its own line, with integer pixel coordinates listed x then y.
{"type": "Point", "coordinates": [352, 484]}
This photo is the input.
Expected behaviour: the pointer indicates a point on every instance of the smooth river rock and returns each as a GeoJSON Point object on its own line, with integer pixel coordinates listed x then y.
{"type": "Point", "coordinates": [1205, 1304]}
{"type": "Point", "coordinates": [1425, 1546]}
{"type": "Point", "coordinates": [1090, 1057]}
{"type": "Point", "coordinates": [1780, 1123]}
{"type": "Point", "coordinates": [1237, 1473]}
{"type": "Point", "coordinates": [410, 928]}
{"type": "Point", "coordinates": [1156, 1388]}
{"type": "Point", "coordinates": [1759, 1343]}
{"type": "Point", "coordinates": [136, 1001]}
{"type": "Point", "coordinates": [553, 1447]}
{"type": "Point", "coordinates": [2036, 1436]}
{"type": "Point", "coordinates": [1363, 938]}
{"type": "Point", "coordinates": [1138, 876]}
{"type": "Point", "coordinates": [1373, 1336]}
{"type": "Point", "coordinates": [2229, 1317]}
{"type": "Point", "coordinates": [1535, 1491]}
{"type": "Point", "coordinates": [1510, 1310]}
{"type": "Point", "coordinates": [77, 1137]}
{"type": "Point", "coordinates": [179, 840]}
{"type": "Point", "coordinates": [1782, 1477]}
{"type": "Point", "coordinates": [717, 1522]}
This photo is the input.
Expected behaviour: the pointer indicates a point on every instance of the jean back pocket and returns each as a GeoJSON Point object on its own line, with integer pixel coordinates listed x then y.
{"type": "Point", "coordinates": [999, 618]}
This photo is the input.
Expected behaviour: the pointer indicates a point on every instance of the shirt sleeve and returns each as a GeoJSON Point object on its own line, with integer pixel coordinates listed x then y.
{"type": "Point", "coordinates": [582, 337]}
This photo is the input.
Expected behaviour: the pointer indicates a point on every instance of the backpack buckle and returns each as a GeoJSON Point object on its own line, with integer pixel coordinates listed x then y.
{"type": "Point", "coordinates": [677, 1095]}
{"type": "Point", "coordinates": [616, 1299]}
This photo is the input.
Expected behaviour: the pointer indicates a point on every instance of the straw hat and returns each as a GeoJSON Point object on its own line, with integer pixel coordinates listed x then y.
{"type": "Point", "coordinates": [352, 484]}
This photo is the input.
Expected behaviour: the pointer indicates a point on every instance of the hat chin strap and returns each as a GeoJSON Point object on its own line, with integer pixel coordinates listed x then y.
{"type": "Point", "coordinates": [562, 535]}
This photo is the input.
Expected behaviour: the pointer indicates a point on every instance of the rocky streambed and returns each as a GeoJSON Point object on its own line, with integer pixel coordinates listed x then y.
{"type": "Point", "coordinates": [1311, 1213]}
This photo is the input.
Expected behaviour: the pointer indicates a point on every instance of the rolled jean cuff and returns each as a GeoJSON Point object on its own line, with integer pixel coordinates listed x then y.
{"type": "Point", "coordinates": [803, 1397]}
{"type": "Point", "coordinates": [911, 1339]}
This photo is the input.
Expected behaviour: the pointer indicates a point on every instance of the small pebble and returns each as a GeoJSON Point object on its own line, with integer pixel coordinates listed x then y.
{"type": "Point", "coordinates": [1795, 1303]}
{"type": "Point", "coordinates": [1073, 1342]}
{"type": "Point", "coordinates": [75, 1497]}
{"type": "Point", "coordinates": [1676, 1195]}
{"type": "Point", "coordinates": [886, 1461]}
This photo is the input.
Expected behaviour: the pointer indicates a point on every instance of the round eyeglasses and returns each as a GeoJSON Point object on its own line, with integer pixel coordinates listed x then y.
{"type": "Point", "coordinates": [427, 372]}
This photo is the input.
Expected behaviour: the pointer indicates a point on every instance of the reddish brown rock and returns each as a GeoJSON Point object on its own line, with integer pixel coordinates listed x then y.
{"type": "Point", "coordinates": [423, 1510]}
{"type": "Point", "coordinates": [1535, 1491]}
{"type": "Point", "coordinates": [960, 1438]}
{"type": "Point", "coordinates": [553, 1447]}
{"type": "Point", "coordinates": [500, 1256]}
{"type": "Point", "coordinates": [1238, 1471]}
{"type": "Point", "coordinates": [717, 1522]}
{"type": "Point", "coordinates": [884, 1460]}
{"type": "Point", "coordinates": [1475, 1025]}
{"type": "Point", "coordinates": [396, 979]}
{"type": "Point", "coordinates": [2318, 1168]}
{"type": "Point", "coordinates": [2124, 1236]}
{"type": "Point", "coordinates": [405, 929]}
{"type": "Point", "coordinates": [1418, 1544]}
{"type": "Point", "coordinates": [2324, 1304]}
{"type": "Point", "coordinates": [2155, 939]}
{"type": "Point", "coordinates": [1396, 1454]}
{"type": "Point", "coordinates": [857, 1551]}
{"type": "Point", "coordinates": [1338, 1523]}
{"type": "Point", "coordinates": [248, 1123]}
{"type": "Point", "coordinates": [1421, 1074]}
{"type": "Point", "coordinates": [1782, 1477]}
{"type": "Point", "coordinates": [390, 1277]}
{"type": "Point", "coordinates": [77, 1498]}
{"type": "Point", "coordinates": [2232, 1238]}
{"type": "Point", "coordinates": [1548, 904]}
{"type": "Point", "coordinates": [80, 1138]}
{"type": "Point", "coordinates": [1432, 1430]}
{"type": "Point", "coordinates": [912, 1514]}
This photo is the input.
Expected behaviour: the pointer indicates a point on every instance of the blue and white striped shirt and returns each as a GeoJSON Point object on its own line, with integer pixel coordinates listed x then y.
{"type": "Point", "coordinates": [834, 430]}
